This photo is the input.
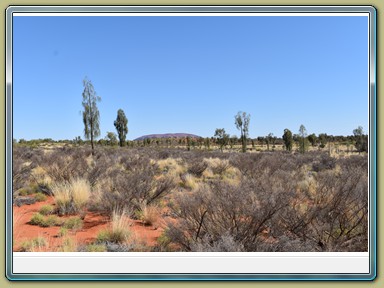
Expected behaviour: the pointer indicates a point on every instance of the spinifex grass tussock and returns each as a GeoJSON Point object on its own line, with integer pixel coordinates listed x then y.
{"type": "Point", "coordinates": [189, 181]}
{"type": "Point", "coordinates": [73, 223]}
{"type": "Point", "coordinates": [69, 244]}
{"type": "Point", "coordinates": [46, 209]}
{"type": "Point", "coordinates": [45, 221]}
{"type": "Point", "coordinates": [34, 245]}
{"type": "Point", "coordinates": [119, 230]}
{"type": "Point", "coordinates": [172, 167]}
{"type": "Point", "coordinates": [71, 197]}
{"type": "Point", "coordinates": [40, 197]}
{"type": "Point", "coordinates": [149, 214]}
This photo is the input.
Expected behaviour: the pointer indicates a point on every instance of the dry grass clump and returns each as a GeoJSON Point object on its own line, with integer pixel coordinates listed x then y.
{"type": "Point", "coordinates": [171, 166]}
{"type": "Point", "coordinates": [34, 245]}
{"type": "Point", "coordinates": [119, 230]}
{"type": "Point", "coordinates": [217, 165]}
{"type": "Point", "coordinates": [40, 176]}
{"type": "Point", "coordinates": [149, 214]}
{"type": "Point", "coordinates": [71, 197]}
{"type": "Point", "coordinates": [188, 181]}
{"type": "Point", "coordinates": [68, 245]}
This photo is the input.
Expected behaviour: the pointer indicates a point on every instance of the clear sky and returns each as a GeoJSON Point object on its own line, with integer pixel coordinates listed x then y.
{"type": "Point", "coordinates": [191, 74]}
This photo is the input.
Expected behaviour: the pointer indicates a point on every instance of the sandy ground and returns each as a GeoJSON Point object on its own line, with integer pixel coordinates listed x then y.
{"type": "Point", "coordinates": [92, 224]}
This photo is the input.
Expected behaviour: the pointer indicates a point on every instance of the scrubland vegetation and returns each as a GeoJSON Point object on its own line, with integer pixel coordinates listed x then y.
{"type": "Point", "coordinates": [202, 200]}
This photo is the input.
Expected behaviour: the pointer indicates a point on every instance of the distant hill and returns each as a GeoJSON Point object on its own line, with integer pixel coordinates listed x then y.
{"type": "Point", "coordinates": [168, 135]}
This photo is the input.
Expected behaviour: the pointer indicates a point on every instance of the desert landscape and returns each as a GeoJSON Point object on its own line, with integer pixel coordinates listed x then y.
{"type": "Point", "coordinates": [154, 198]}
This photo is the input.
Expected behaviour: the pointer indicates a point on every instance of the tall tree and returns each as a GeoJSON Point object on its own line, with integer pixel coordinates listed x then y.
{"type": "Point", "coordinates": [303, 141]}
{"type": "Point", "coordinates": [323, 138]}
{"type": "Point", "coordinates": [288, 140]}
{"type": "Point", "coordinates": [91, 115]}
{"type": "Point", "coordinates": [312, 139]}
{"type": "Point", "coordinates": [242, 123]}
{"type": "Point", "coordinates": [111, 138]}
{"type": "Point", "coordinates": [121, 123]}
{"type": "Point", "coordinates": [222, 138]}
{"type": "Point", "coordinates": [269, 140]}
{"type": "Point", "coordinates": [361, 140]}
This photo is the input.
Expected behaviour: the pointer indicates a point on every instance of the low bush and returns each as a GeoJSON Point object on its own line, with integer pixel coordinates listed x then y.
{"type": "Point", "coordinates": [46, 209]}
{"type": "Point", "coordinates": [44, 221]}
{"type": "Point", "coordinates": [95, 248]}
{"type": "Point", "coordinates": [40, 197]}
{"type": "Point", "coordinates": [73, 223]}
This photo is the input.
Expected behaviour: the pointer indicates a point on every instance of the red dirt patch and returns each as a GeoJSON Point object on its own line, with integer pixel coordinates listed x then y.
{"type": "Point", "coordinates": [93, 223]}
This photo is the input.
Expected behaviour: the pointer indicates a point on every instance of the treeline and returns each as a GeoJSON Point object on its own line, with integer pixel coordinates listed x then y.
{"type": "Point", "coordinates": [301, 141]}
{"type": "Point", "coordinates": [269, 142]}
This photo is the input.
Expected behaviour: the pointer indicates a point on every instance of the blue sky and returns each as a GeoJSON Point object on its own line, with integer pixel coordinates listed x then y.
{"type": "Point", "coordinates": [191, 74]}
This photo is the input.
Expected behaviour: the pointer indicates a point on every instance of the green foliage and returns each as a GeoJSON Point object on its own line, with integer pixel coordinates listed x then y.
{"type": "Point", "coordinates": [222, 138]}
{"type": "Point", "coordinates": [114, 236]}
{"type": "Point", "coordinates": [242, 120]}
{"type": "Point", "coordinates": [40, 197]}
{"type": "Point", "coordinates": [111, 139]}
{"type": "Point", "coordinates": [46, 209]}
{"type": "Point", "coordinates": [323, 138]}
{"type": "Point", "coordinates": [42, 221]}
{"type": "Point", "coordinates": [361, 140]}
{"type": "Point", "coordinates": [96, 248]}
{"type": "Point", "coordinates": [189, 143]}
{"type": "Point", "coordinates": [312, 139]}
{"type": "Point", "coordinates": [91, 114]}
{"type": "Point", "coordinates": [121, 126]}
{"type": "Point", "coordinates": [73, 223]}
{"type": "Point", "coordinates": [38, 219]}
{"type": "Point", "coordinates": [303, 141]}
{"type": "Point", "coordinates": [63, 231]}
{"type": "Point", "coordinates": [26, 191]}
{"type": "Point", "coordinates": [270, 139]}
{"type": "Point", "coordinates": [288, 140]}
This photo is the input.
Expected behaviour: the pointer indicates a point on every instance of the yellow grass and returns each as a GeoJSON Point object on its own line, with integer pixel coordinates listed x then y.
{"type": "Point", "coordinates": [75, 193]}
{"type": "Point", "coordinates": [171, 166]}
{"type": "Point", "coordinates": [150, 214]}
{"type": "Point", "coordinates": [190, 182]}
{"type": "Point", "coordinates": [119, 231]}
{"type": "Point", "coordinates": [39, 174]}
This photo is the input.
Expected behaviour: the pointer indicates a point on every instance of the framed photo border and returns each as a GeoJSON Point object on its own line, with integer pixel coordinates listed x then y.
{"type": "Point", "coordinates": [195, 9]}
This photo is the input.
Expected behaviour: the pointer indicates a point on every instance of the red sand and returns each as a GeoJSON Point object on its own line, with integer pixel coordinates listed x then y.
{"type": "Point", "coordinates": [92, 224]}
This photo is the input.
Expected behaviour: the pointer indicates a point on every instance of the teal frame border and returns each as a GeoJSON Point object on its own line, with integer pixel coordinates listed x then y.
{"type": "Point", "coordinates": [197, 277]}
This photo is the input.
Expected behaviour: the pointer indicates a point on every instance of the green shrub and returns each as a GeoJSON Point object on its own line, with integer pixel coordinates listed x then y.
{"type": "Point", "coordinates": [73, 223]}
{"type": "Point", "coordinates": [40, 220]}
{"type": "Point", "coordinates": [63, 232]}
{"type": "Point", "coordinates": [52, 220]}
{"type": "Point", "coordinates": [40, 197]}
{"type": "Point", "coordinates": [96, 248]}
{"type": "Point", "coordinates": [25, 191]}
{"type": "Point", "coordinates": [46, 209]}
